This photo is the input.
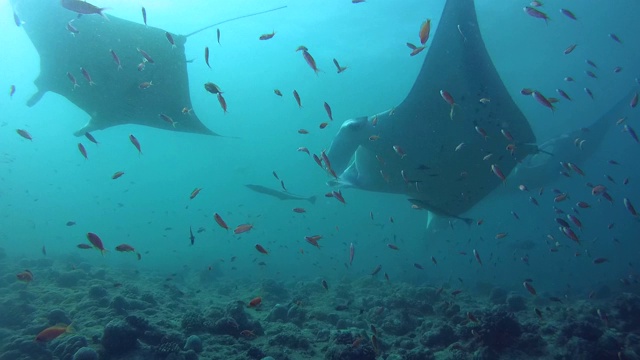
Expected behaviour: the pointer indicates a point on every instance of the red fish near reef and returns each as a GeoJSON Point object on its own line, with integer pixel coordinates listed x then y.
{"type": "Point", "coordinates": [82, 7]}
{"type": "Point", "coordinates": [255, 302]}
{"type": "Point", "coordinates": [125, 248]}
{"type": "Point", "coordinates": [220, 222]}
{"type": "Point", "coordinates": [82, 150]}
{"type": "Point", "coordinates": [309, 59]}
{"type": "Point", "coordinates": [261, 249]}
{"type": "Point", "coordinates": [52, 332]}
{"type": "Point", "coordinates": [25, 276]}
{"type": "Point", "coordinates": [135, 143]}
{"type": "Point", "coordinates": [527, 285]}
{"type": "Point", "coordinates": [96, 242]}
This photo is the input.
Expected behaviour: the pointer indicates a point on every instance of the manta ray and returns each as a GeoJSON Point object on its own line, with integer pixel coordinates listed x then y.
{"type": "Point", "coordinates": [138, 73]}
{"type": "Point", "coordinates": [440, 144]}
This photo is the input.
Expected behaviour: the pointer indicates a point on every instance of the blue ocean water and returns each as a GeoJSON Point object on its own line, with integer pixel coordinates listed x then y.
{"type": "Point", "coordinates": [46, 183]}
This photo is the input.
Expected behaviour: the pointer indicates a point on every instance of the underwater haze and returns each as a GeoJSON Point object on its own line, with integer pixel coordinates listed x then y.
{"type": "Point", "coordinates": [110, 251]}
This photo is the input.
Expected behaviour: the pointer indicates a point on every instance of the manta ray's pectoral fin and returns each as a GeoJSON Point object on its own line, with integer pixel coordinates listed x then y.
{"type": "Point", "coordinates": [36, 97]}
{"type": "Point", "coordinates": [425, 204]}
{"type": "Point", "coordinates": [92, 125]}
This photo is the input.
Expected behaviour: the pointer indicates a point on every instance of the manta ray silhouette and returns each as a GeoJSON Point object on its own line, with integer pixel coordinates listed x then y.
{"type": "Point", "coordinates": [413, 149]}
{"type": "Point", "coordinates": [117, 96]}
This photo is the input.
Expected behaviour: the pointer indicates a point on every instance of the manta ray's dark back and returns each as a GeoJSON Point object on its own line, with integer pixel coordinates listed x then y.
{"type": "Point", "coordinates": [118, 96]}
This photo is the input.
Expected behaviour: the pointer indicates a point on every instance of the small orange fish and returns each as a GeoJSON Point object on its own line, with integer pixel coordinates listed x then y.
{"type": "Point", "coordinates": [95, 240]}
{"type": "Point", "coordinates": [168, 119]}
{"type": "Point", "coordinates": [125, 248]}
{"type": "Point", "coordinates": [399, 151]}
{"type": "Point", "coordinates": [449, 99]}
{"type": "Point", "coordinates": [247, 333]}
{"type": "Point", "coordinates": [135, 143]}
{"type": "Point", "coordinates": [310, 61]}
{"type": "Point", "coordinates": [313, 240]}
{"type": "Point", "coordinates": [25, 276]}
{"type": "Point", "coordinates": [82, 150]}
{"type": "Point", "coordinates": [297, 97]}
{"type": "Point", "coordinates": [242, 228]}
{"type": "Point", "coordinates": [206, 56]}
{"type": "Point", "coordinates": [327, 108]}
{"type": "Point", "coordinates": [261, 249]}
{"type": "Point", "coordinates": [255, 302]}
{"type": "Point", "coordinates": [425, 29]}
{"type": "Point", "coordinates": [267, 36]}
{"type": "Point", "coordinates": [340, 68]}
{"type": "Point", "coordinates": [145, 85]}
{"type": "Point", "coordinates": [529, 287]}
{"type": "Point", "coordinates": [52, 332]}
{"type": "Point", "coordinates": [24, 133]}
{"type": "Point", "coordinates": [223, 102]}
{"type": "Point", "coordinates": [195, 193]}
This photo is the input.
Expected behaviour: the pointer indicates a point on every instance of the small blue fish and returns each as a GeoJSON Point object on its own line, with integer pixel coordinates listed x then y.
{"type": "Point", "coordinates": [631, 132]}
{"type": "Point", "coordinates": [17, 20]}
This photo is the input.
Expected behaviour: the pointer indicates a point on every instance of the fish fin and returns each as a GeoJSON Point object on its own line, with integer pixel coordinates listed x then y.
{"type": "Point", "coordinates": [312, 199]}
{"type": "Point", "coordinates": [35, 98]}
